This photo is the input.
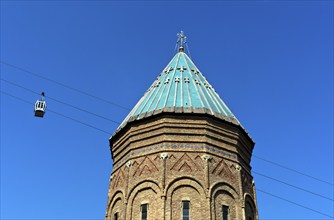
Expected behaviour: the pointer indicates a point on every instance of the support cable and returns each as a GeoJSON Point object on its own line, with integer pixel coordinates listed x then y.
{"type": "Point", "coordinates": [257, 173]}
{"type": "Point", "coordinates": [293, 186]}
{"type": "Point", "coordinates": [294, 203]}
{"type": "Point", "coordinates": [91, 126]}
{"type": "Point", "coordinates": [64, 103]}
{"type": "Point", "coordinates": [63, 85]}
{"type": "Point", "coordinates": [125, 108]}
{"type": "Point", "coordinates": [293, 170]}
{"type": "Point", "coordinates": [54, 112]}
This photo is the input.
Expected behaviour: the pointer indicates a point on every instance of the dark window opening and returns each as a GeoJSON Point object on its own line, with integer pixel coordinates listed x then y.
{"type": "Point", "coordinates": [225, 212]}
{"type": "Point", "coordinates": [144, 208]}
{"type": "Point", "coordinates": [116, 216]}
{"type": "Point", "coordinates": [249, 211]}
{"type": "Point", "coordinates": [185, 210]}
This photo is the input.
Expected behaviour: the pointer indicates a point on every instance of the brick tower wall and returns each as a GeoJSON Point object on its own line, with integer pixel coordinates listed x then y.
{"type": "Point", "coordinates": [164, 160]}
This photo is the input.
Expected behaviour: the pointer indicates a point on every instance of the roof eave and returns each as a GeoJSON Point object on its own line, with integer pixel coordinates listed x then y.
{"type": "Point", "coordinates": [183, 111]}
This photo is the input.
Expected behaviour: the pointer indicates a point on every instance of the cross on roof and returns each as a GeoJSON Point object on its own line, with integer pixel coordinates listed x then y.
{"type": "Point", "coordinates": [166, 81]}
{"type": "Point", "coordinates": [186, 79]}
{"type": "Point", "coordinates": [195, 71]}
{"type": "Point", "coordinates": [156, 84]}
{"type": "Point", "coordinates": [168, 69]}
{"type": "Point", "coordinates": [177, 79]}
{"type": "Point", "coordinates": [181, 39]}
{"type": "Point", "coordinates": [182, 68]}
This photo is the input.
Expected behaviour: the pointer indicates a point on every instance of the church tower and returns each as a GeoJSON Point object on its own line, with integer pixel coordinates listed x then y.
{"type": "Point", "coordinates": [181, 153]}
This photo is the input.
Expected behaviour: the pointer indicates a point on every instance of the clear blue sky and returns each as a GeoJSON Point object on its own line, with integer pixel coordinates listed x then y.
{"type": "Point", "coordinates": [270, 61]}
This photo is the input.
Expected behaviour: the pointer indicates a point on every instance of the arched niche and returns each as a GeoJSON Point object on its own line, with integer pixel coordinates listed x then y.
{"type": "Point", "coordinates": [222, 194]}
{"type": "Point", "coordinates": [146, 192]}
{"type": "Point", "coordinates": [116, 205]}
{"type": "Point", "coordinates": [185, 189]}
{"type": "Point", "coordinates": [250, 209]}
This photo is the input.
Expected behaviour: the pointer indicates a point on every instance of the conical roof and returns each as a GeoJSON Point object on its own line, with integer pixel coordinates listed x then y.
{"type": "Point", "coordinates": [180, 88]}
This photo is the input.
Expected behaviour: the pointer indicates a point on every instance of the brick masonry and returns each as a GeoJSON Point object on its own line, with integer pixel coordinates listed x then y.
{"type": "Point", "coordinates": [166, 159]}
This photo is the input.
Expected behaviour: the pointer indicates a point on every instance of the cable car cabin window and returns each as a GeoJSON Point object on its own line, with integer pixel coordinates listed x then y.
{"type": "Point", "coordinates": [225, 212]}
{"type": "Point", "coordinates": [144, 208]}
{"type": "Point", "coordinates": [185, 210]}
{"type": "Point", "coordinates": [40, 105]}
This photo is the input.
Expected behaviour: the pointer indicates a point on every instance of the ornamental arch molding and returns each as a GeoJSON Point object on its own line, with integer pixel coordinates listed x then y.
{"type": "Point", "coordinates": [185, 189]}
{"type": "Point", "coordinates": [223, 194]}
{"type": "Point", "coordinates": [114, 204]}
{"type": "Point", "coordinates": [184, 181]}
{"type": "Point", "coordinates": [223, 186]}
{"type": "Point", "coordinates": [250, 207]}
{"type": "Point", "coordinates": [145, 192]}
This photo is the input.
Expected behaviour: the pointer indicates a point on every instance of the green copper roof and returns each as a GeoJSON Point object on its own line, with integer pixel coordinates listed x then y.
{"type": "Point", "coordinates": [180, 88]}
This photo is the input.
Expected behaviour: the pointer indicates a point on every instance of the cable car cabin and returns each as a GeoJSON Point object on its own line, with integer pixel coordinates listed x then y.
{"type": "Point", "coordinates": [40, 106]}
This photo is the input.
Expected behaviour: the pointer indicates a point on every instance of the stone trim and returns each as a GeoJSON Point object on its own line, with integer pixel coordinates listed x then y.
{"type": "Point", "coordinates": [153, 149]}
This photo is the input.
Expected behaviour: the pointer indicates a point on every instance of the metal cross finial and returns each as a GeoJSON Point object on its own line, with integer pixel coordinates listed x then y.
{"type": "Point", "coordinates": [181, 39]}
